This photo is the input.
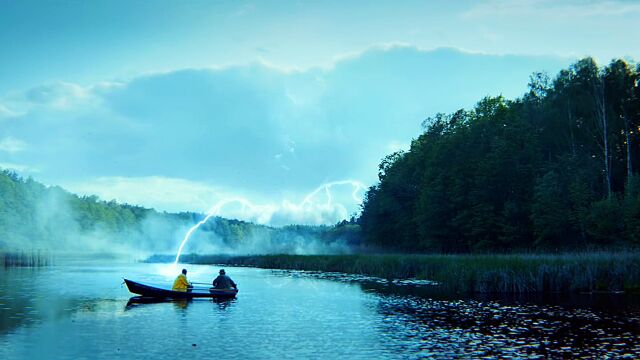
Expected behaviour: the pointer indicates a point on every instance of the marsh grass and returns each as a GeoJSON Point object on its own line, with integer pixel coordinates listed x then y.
{"type": "Point", "coordinates": [516, 273]}
{"type": "Point", "coordinates": [24, 259]}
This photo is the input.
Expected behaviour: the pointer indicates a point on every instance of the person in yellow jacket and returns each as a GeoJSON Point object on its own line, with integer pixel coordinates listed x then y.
{"type": "Point", "coordinates": [181, 283]}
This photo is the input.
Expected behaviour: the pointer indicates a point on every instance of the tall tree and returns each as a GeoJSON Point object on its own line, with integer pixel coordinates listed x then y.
{"type": "Point", "coordinates": [548, 170]}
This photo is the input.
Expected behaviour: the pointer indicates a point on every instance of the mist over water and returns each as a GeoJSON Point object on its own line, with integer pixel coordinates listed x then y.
{"type": "Point", "coordinates": [59, 222]}
{"type": "Point", "coordinates": [294, 243]}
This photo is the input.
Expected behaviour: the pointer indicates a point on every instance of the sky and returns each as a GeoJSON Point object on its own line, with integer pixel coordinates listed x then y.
{"type": "Point", "coordinates": [276, 112]}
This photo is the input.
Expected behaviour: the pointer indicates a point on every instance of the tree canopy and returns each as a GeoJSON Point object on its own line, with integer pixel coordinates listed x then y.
{"type": "Point", "coordinates": [34, 216]}
{"type": "Point", "coordinates": [556, 169]}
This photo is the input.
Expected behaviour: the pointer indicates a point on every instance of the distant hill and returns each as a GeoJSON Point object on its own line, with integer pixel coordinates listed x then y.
{"type": "Point", "coordinates": [35, 216]}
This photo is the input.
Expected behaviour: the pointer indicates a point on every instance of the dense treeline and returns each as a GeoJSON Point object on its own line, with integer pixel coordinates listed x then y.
{"type": "Point", "coordinates": [554, 170]}
{"type": "Point", "coordinates": [34, 216]}
{"type": "Point", "coordinates": [468, 273]}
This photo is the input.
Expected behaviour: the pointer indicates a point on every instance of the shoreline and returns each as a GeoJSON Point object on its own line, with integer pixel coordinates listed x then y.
{"type": "Point", "coordinates": [597, 272]}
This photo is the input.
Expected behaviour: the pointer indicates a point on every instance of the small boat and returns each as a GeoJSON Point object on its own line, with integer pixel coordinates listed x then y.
{"type": "Point", "coordinates": [160, 293]}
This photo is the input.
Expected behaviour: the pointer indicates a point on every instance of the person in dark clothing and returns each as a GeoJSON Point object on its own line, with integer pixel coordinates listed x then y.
{"type": "Point", "coordinates": [223, 281]}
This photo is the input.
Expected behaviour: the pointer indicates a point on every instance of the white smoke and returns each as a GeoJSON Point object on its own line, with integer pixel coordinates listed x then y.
{"type": "Point", "coordinates": [60, 222]}
{"type": "Point", "coordinates": [308, 207]}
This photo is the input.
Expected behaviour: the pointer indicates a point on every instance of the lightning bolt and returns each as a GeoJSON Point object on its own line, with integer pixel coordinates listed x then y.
{"type": "Point", "coordinates": [215, 210]}
{"type": "Point", "coordinates": [357, 186]}
{"type": "Point", "coordinates": [305, 203]}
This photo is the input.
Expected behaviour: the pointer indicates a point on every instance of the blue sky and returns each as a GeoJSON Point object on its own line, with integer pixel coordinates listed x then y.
{"type": "Point", "coordinates": [180, 105]}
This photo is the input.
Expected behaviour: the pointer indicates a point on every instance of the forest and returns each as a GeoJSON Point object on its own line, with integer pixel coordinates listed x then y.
{"type": "Point", "coordinates": [38, 217]}
{"type": "Point", "coordinates": [554, 170]}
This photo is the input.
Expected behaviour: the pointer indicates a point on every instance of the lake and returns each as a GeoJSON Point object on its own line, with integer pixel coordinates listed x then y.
{"type": "Point", "coordinates": [80, 310]}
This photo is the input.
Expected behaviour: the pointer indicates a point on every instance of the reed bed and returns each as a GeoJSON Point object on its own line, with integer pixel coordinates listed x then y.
{"type": "Point", "coordinates": [24, 259]}
{"type": "Point", "coordinates": [515, 273]}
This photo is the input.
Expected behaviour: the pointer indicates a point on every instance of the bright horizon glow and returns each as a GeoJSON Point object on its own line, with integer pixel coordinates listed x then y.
{"type": "Point", "coordinates": [307, 202]}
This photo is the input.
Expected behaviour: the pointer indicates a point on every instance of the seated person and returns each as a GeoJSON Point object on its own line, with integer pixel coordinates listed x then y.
{"type": "Point", "coordinates": [223, 281]}
{"type": "Point", "coordinates": [181, 283]}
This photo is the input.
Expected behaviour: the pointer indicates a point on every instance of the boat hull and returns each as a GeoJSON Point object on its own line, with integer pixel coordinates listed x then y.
{"type": "Point", "coordinates": [159, 293]}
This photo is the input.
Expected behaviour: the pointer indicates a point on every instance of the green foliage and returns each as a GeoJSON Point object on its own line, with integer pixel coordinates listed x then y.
{"type": "Point", "coordinates": [549, 211]}
{"type": "Point", "coordinates": [515, 273]}
{"type": "Point", "coordinates": [631, 211]}
{"type": "Point", "coordinates": [532, 173]}
{"type": "Point", "coordinates": [33, 216]}
{"type": "Point", "coordinates": [606, 224]}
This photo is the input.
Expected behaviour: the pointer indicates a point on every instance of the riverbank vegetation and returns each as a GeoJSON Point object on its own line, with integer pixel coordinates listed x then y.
{"type": "Point", "coordinates": [513, 273]}
{"type": "Point", "coordinates": [555, 170]}
{"type": "Point", "coordinates": [24, 259]}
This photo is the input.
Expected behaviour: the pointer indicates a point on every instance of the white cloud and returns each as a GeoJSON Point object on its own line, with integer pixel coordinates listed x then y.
{"type": "Point", "coordinates": [12, 145]}
{"type": "Point", "coordinates": [327, 204]}
{"type": "Point", "coordinates": [6, 113]}
{"type": "Point", "coordinates": [61, 95]}
{"type": "Point", "coordinates": [162, 193]}
{"type": "Point", "coordinates": [184, 140]}
{"type": "Point", "coordinates": [58, 97]}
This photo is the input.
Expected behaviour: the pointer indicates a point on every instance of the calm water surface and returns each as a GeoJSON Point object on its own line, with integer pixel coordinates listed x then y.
{"type": "Point", "coordinates": [81, 311]}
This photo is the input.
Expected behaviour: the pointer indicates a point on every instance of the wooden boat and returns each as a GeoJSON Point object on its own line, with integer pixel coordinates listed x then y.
{"type": "Point", "coordinates": [160, 293]}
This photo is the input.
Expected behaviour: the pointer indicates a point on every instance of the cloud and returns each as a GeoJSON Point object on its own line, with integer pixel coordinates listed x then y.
{"type": "Point", "coordinates": [161, 193]}
{"type": "Point", "coordinates": [12, 145]}
{"type": "Point", "coordinates": [327, 204]}
{"type": "Point", "coordinates": [187, 138]}
{"type": "Point", "coordinates": [60, 95]}
{"type": "Point", "coordinates": [51, 102]}
{"type": "Point", "coordinates": [6, 113]}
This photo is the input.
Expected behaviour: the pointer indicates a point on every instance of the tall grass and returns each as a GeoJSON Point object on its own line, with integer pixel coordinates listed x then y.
{"type": "Point", "coordinates": [523, 273]}
{"type": "Point", "coordinates": [24, 259]}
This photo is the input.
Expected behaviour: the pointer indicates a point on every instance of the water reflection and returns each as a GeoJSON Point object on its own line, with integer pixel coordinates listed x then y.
{"type": "Point", "coordinates": [223, 304]}
{"type": "Point", "coordinates": [442, 324]}
{"type": "Point", "coordinates": [22, 304]}
{"type": "Point", "coordinates": [454, 328]}
{"type": "Point", "coordinates": [300, 315]}
{"type": "Point", "coordinates": [179, 304]}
